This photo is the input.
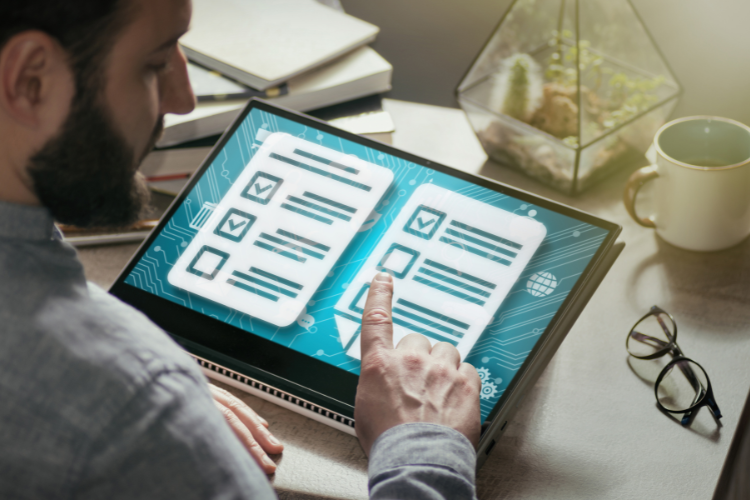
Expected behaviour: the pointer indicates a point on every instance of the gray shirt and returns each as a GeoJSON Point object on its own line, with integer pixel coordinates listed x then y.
{"type": "Point", "coordinates": [98, 402]}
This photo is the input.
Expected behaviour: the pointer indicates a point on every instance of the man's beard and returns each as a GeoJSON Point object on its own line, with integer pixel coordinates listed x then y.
{"type": "Point", "coordinates": [87, 175]}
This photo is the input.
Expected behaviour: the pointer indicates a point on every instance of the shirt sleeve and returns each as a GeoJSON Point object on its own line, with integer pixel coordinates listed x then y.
{"type": "Point", "coordinates": [422, 461]}
{"type": "Point", "coordinates": [170, 442]}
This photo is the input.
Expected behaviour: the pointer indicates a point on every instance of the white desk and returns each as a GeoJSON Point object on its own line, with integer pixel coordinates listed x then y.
{"type": "Point", "coordinates": [590, 428]}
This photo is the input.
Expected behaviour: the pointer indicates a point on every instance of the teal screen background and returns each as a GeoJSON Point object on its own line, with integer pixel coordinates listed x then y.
{"type": "Point", "coordinates": [505, 343]}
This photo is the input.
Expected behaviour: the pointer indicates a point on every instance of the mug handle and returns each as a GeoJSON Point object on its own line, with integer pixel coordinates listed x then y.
{"type": "Point", "coordinates": [635, 183]}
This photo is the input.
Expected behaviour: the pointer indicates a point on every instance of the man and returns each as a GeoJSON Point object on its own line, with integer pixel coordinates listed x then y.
{"type": "Point", "coordinates": [95, 400]}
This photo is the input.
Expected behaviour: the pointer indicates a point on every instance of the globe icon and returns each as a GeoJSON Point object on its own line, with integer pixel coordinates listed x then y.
{"type": "Point", "coordinates": [541, 284]}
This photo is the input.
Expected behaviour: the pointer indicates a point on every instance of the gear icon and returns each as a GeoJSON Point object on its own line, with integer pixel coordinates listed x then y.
{"type": "Point", "coordinates": [489, 390]}
{"type": "Point", "coordinates": [484, 374]}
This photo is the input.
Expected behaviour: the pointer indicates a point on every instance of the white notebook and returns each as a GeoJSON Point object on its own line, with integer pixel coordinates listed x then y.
{"type": "Point", "coordinates": [361, 73]}
{"type": "Point", "coordinates": [263, 43]}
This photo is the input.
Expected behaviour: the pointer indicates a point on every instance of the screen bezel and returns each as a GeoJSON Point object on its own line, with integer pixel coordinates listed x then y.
{"type": "Point", "coordinates": [285, 368]}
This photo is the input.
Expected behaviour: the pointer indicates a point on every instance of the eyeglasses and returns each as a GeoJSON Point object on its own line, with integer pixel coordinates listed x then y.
{"type": "Point", "coordinates": [683, 385]}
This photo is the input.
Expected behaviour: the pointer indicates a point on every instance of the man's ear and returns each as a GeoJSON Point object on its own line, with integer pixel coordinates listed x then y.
{"type": "Point", "coordinates": [36, 83]}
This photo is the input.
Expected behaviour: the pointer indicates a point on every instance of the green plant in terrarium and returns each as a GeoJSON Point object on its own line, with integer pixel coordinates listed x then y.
{"type": "Point", "coordinates": [630, 96]}
{"type": "Point", "coordinates": [613, 98]}
{"type": "Point", "coordinates": [517, 88]}
{"type": "Point", "coordinates": [624, 96]}
{"type": "Point", "coordinates": [567, 90]}
{"type": "Point", "coordinates": [553, 106]}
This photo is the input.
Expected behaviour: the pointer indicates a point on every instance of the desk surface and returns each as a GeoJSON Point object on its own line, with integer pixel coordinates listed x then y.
{"type": "Point", "coordinates": [590, 427]}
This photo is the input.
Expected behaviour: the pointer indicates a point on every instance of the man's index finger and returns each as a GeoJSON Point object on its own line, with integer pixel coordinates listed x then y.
{"type": "Point", "coordinates": [377, 325]}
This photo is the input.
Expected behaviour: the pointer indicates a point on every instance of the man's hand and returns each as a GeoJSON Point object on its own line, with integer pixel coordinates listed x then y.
{"type": "Point", "coordinates": [250, 428]}
{"type": "Point", "coordinates": [413, 382]}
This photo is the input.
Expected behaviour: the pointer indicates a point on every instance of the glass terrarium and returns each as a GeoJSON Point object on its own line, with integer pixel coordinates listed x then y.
{"type": "Point", "coordinates": [568, 90]}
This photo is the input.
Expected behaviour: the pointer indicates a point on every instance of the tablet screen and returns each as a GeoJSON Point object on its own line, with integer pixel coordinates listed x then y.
{"type": "Point", "coordinates": [282, 233]}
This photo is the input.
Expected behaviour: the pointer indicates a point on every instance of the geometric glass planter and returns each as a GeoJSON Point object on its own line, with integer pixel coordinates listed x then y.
{"type": "Point", "coordinates": [568, 90]}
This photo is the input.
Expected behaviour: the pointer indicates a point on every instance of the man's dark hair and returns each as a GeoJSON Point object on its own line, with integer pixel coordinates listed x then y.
{"type": "Point", "coordinates": [86, 29]}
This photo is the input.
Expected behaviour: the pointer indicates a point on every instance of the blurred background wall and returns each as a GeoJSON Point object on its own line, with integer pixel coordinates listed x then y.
{"type": "Point", "coordinates": [431, 44]}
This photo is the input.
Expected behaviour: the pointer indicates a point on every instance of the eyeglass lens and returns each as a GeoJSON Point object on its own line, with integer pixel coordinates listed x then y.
{"type": "Point", "coordinates": [651, 335]}
{"type": "Point", "coordinates": [684, 385]}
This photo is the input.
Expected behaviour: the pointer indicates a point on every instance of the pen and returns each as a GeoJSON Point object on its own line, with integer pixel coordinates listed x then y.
{"type": "Point", "coordinates": [141, 225]}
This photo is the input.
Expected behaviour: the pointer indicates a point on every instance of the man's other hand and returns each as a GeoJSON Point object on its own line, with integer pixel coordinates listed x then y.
{"type": "Point", "coordinates": [250, 428]}
{"type": "Point", "coordinates": [415, 382]}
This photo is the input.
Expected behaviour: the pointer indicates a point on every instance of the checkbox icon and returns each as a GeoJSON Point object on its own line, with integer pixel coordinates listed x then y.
{"type": "Point", "coordinates": [424, 222]}
{"type": "Point", "coordinates": [358, 304]}
{"type": "Point", "coordinates": [398, 261]}
{"type": "Point", "coordinates": [208, 262]}
{"type": "Point", "coordinates": [262, 187]}
{"type": "Point", "coordinates": [234, 225]}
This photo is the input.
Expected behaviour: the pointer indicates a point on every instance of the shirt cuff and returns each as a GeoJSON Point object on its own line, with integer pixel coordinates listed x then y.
{"type": "Point", "coordinates": [425, 445]}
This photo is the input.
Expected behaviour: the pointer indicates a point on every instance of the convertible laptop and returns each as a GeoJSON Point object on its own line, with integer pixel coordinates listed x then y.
{"type": "Point", "coordinates": [261, 266]}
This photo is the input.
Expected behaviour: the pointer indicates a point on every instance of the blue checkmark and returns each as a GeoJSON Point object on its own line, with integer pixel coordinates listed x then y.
{"type": "Point", "coordinates": [229, 226]}
{"type": "Point", "coordinates": [422, 224]}
{"type": "Point", "coordinates": [259, 190]}
{"type": "Point", "coordinates": [233, 226]}
{"type": "Point", "coordinates": [262, 194]}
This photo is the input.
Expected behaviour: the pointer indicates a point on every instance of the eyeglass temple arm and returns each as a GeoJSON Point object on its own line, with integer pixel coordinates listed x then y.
{"type": "Point", "coordinates": [710, 402]}
{"type": "Point", "coordinates": [664, 327]}
{"type": "Point", "coordinates": [642, 337]}
{"type": "Point", "coordinates": [687, 417]}
{"type": "Point", "coordinates": [712, 405]}
{"type": "Point", "coordinates": [690, 375]}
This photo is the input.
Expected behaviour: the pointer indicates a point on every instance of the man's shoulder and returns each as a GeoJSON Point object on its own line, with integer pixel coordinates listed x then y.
{"type": "Point", "coordinates": [80, 356]}
{"type": "Point", "coordinates": [72, 360]}
{"type": "Point", "coordinates": [136, 348]}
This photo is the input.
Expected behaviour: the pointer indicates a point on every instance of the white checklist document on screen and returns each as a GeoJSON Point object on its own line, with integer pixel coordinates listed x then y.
{"type": "Point", "coordinates": [453, 260]}
{"type": "Point", "coordinates": [281, 227]}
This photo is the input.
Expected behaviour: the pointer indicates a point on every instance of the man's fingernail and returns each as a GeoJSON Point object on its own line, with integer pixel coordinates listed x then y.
{"type": "Point", "coordinates": [383, 277]}
{"type": "Point", "coordinates": [268, 462]}
{"type": "Point", "coordinates": [273, 440]}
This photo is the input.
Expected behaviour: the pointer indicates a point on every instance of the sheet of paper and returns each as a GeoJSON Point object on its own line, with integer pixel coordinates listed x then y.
{"type": "Point", "coordinates": [453, 260]}
{"type": "Point", "coordinates": [266, 247]}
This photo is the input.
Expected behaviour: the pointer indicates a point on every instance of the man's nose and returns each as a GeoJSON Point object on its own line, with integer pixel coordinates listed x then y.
{"type": "Point", "coordinates": [176, 93]}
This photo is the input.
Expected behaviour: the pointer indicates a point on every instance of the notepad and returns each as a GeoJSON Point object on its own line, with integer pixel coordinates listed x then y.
{"type": "Point", "coordinates": [266, 247]}
{"type": "Point", "coordinates": [263, 43]}
{"type": "Point", "coordinates": [453, 259]}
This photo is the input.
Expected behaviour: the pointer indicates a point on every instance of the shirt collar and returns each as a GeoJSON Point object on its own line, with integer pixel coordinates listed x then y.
{"type": "Point", "coordinates": [23, 222]}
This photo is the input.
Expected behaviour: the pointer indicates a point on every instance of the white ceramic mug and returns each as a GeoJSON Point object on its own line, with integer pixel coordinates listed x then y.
{"type": "Point", "coordinates": [701, 183]}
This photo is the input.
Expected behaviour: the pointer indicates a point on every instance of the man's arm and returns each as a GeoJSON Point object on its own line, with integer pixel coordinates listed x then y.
{"type": "Point", "coordinates": [422, 461]}
{"type": "Point", "coordinates": [167, 442]}
{"type": "Point", "coordinates": [428, 389]}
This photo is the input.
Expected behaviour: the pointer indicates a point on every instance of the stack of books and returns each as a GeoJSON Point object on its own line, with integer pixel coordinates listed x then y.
{"type": "Point", "coordinates": [300, 54]}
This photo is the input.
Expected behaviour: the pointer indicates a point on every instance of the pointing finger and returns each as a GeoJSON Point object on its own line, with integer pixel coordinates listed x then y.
{"type": "Point", "coordinates": [377, 326]}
